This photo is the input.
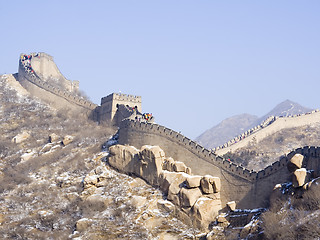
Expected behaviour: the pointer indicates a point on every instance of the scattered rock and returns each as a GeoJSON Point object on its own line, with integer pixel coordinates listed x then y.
{"type": "Point", "coordinates": [27, 156]}
{"type": "Point", "coordinates": [138, 201]}
{"type": "Point", "coordinates": [21, 137]}
{"type": "Point", "coordinates": [53, 138]}
{"type": "Point", "coordinates": [166, 206]}
{"type": "Point", "coordinates": [97, 201]}
{"type": "Point", "coordinates": [216, 183]}
{"type": "Point", "coordinates": [295, 162]}
{"type": "Point", "coordinates": [299, 177]}
{"type": "Point", "coordinates": [90, 180]}
{"type": "Point", "coordinates": [231, 205]}
{"type": "Point", "coordinates": [67, 140]}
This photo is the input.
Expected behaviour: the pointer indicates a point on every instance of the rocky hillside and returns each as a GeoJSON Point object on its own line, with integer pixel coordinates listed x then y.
{"type": "Point", "coordinates": [233, 126]}
{"type": "Point", "coordinates": [258, 156]}
{"type": "Point", "coordinates": [55, 183]}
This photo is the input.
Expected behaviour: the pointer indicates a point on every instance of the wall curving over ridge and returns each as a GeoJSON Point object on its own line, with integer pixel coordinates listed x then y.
{"type": "Point", "coordinates": [249, 188]}
{"type": "Point", "coordinates": [29, 79]}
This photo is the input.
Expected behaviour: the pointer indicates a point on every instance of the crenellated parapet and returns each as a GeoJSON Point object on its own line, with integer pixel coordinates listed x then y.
{"type": "Point", "coordinates": [247, 187]}
{"type": "Point", "coordinates": [210, 156]}
{"type": "Point", "coordinates": [272, 123]}
{"type": "Point", "coordinates": [191, 146]}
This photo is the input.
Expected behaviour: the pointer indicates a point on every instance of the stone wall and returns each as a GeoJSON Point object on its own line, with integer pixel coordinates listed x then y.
{"type": "Point", "coordinates": [109, 107]}
{"type": "Point", "coordinates": [57, 97]}
{"type": "Point", "coordinates": [250, 189]}
{"type": "Point", "coordinates": [268, 127]}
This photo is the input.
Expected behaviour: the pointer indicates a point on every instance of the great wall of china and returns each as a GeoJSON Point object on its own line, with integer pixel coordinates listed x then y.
{"type": "Point", "coordinates": [250, 189]}
{"type": "Point", "coordinates": [28, 74]}
{"type": "Point", "coordinates": [267, 128]}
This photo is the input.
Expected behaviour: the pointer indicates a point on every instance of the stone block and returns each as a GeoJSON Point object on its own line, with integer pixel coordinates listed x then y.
{"type": "Point", "coordinates": [168, 164]}
{"type": "Point", "coordinates": [188, 197]}
{"type": "Point", "coordinates": [152, 158]}
{"type": "Point", "coordinates": [299, 177]}
{"type": "Point", "coordinates": [166, 179]}
{"type": "Point", "coordinates": [206, 184]}
{"type": "Point", "coordinates": [205, 210]}
{"type": "Point", "coordinates": [125, 159]}
{"type": "Point", "coordinates": [53, 138]}
{"type": "Point", "coordinates": [216, 183]}
{"type": "Point", "coordinates": [179, 167]}
{"type": "Point", "coordinates": [295, 162]}
{"type": "Point", "coordinates": [193, 181]}
{"type": "Point", "coordinates": [67, 140]}
{"type": "Point", "coordinates": [231, 205]}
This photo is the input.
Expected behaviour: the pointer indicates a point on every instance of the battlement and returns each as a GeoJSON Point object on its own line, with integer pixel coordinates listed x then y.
{"type": "Point", "coordinates": [110, 105]}
{"type": "Point", "coordinates": [272, 123]}
{"type": "Point", "coordinates": [121, 97]}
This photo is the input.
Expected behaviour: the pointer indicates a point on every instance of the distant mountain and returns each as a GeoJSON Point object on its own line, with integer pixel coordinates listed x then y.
{"type": "Point", "coordinates": [233, 126]}
{"type": "Point", "coordinates": [286, 108]}
{"type": "Point", "coordinates": [226, 130]}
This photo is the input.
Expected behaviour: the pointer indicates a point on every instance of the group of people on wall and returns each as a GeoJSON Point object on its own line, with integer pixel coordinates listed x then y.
{"type": "Point", "coordinates": [145, 117]}
{"type": "Point", "coordinates": [26, 61]}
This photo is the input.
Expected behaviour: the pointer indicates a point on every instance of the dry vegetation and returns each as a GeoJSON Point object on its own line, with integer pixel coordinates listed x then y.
{"type": "Point", "coordinates": [42, 197]}
{"type": "Point", "coordinates": [257, 156]}
{"type": "Point", "coordinates": [294, 216]}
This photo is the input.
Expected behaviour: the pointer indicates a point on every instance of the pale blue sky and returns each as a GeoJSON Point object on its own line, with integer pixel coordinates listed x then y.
{"type": "Point", "coordinates": [194, 63]}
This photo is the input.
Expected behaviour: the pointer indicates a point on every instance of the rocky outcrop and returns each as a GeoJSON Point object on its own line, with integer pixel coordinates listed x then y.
{"type": "Point", "coordinates": [197, 196]}
{"type": "Point", "coordinates": [295, 162]}
{"type": "Point", "coordinates": [299, 177]}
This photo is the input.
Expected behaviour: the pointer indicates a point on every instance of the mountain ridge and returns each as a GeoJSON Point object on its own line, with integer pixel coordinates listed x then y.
{"type": "Point", "coordinates": [235, 125]}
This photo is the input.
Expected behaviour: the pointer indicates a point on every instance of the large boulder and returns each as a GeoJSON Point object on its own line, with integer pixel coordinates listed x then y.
{"type": "Point", "coordinates": [188, 197]}
{"type": "Point", "coordinates": [210, 184]}
{"type": "Point", "coordinates": [231, 205]}
{"type": "Point", "coordinates": [168, 164]}
{"type": "Point", "coordinates": [125, 159]}
{"type": "Point", "coordinates": [165, 180]}
{"type": "Point", "coordinates": [193, 181]}
{"type": "Point", "coordinates": [299, 177]}
{"type": "Point", "coordinates": [206, 185]}
{"type": "Point", "coordinates": [175, 187]}
{"type": "Point", "coordinates": [295, 162]}
{"type": "Point", "coordinates": [205, 210]}
{"type": "Point", "coordinates": [179, 167]}
{"type": "Point", "coordinates": [216, 183]}
{"type": "Point", "coordinates": [152, 158]}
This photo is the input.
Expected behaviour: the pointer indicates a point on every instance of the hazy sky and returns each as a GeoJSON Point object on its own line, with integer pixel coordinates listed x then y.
{"type": "Point", "coordinates": [194, 63]}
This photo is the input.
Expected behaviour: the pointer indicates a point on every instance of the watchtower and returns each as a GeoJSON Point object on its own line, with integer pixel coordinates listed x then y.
{"type": "Point", "coordinates": [111, 103]}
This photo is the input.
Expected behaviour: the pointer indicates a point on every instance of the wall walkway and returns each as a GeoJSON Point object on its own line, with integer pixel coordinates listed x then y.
{"type": "Point", "coordinates": [26, 72]}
